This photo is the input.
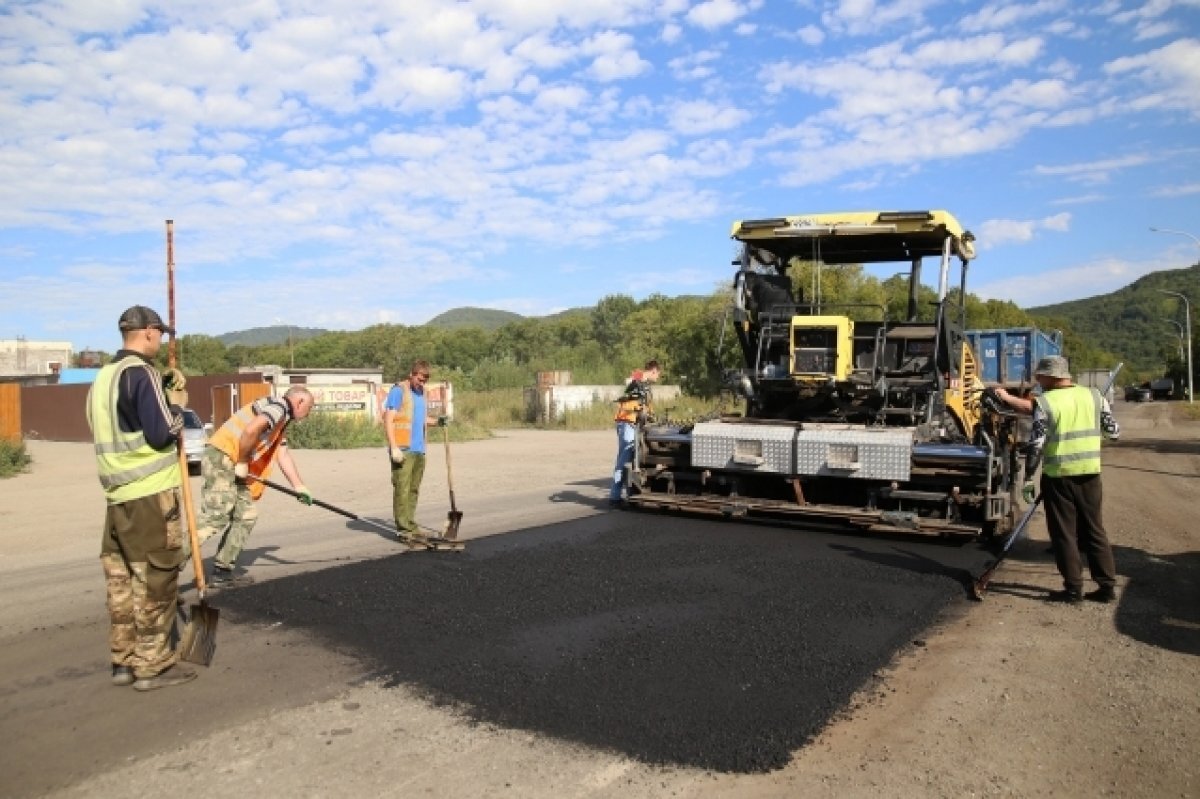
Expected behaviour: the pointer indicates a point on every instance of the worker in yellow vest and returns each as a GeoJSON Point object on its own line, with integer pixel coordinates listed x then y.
{"type": "Point", "coordinates": [251, 442]}
{"type": "Point", "coordinates": [405, 420]}
{"type": "Point", "coordinates": [135, 435]}
{"type": "Point", "coordinates": [1068, 423]}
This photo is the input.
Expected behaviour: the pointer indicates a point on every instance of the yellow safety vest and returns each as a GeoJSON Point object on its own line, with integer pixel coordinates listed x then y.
{"type": "Point", "coordinates": [266, 447]}
{"type": "Point", "coordinates": [129, 467]}
{"type": "Point", "coordinates": [1072, 431]}
{"type": "Point", "coordinates": [402, 421]}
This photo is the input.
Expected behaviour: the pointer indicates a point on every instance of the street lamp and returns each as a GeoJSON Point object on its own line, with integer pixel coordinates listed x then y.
{"type": "Point", "coordinates": [1187, 307]}
{"type": "Point", "coordinates": [1187, 318]}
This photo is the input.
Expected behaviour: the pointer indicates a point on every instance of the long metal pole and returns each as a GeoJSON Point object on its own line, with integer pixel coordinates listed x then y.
{"type": "Point", "coordinates": [171, 360]}
{"type": "Point", "coordinates": [1187, 318]}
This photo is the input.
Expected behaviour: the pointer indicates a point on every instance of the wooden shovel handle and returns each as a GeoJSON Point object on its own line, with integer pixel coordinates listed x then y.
{"type": "Point", "coordinates": [190, 510]}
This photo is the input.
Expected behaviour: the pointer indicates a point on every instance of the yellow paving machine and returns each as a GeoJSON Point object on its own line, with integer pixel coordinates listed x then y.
{"type": "Point", "coordinates": [850, 418]}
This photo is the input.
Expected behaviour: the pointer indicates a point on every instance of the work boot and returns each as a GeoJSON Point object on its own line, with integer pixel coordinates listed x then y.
{"type": "Point", "coordinates": [122, 675]}
{"type": "Point", "coordinates": [415, 541]}
{"type": "Point", "coordinates": [1105, 593]}
{"type": "Point", "coordinates": [226, 578]}
{"type": "Point", "coordinates": [1071, 596]}
{"type": "Point", "coordinates": [175, 675]}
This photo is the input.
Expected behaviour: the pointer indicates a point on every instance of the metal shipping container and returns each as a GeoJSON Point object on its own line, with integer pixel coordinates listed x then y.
{"type": "Point", "coordinates": [1008, 356]}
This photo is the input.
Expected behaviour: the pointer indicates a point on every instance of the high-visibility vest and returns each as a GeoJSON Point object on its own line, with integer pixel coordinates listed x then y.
{"type": "Point", "coordinates": [402, 419]}
{"type": "Point", "coordinates": [266, 447]}
{"type": "Point", "coordinates": [1072, 431]}
{"type": "Point", "coordinates": [629, 409]}
{"type": "Point", "coordinates": [129, 467]}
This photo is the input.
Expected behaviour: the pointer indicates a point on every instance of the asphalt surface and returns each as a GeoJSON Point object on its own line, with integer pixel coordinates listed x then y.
{"type": "Point", "coordinates": [671, 640]}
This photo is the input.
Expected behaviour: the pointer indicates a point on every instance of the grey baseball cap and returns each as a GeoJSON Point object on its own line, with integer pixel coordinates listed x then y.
{"type": "Point", "coordinates": [139, 317]}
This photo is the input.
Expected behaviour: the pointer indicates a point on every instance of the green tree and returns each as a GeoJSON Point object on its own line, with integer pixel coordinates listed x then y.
{"type": "Point", "coordinates": [609, 318]}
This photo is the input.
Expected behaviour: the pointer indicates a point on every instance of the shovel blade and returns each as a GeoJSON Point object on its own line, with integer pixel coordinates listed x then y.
{"type": "Point", "coordinates": [200, 636]}
{"type": "Point", "coordinates": [453, 520]}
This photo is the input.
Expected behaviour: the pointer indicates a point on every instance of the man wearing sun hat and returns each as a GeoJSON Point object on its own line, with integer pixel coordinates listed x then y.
{"type": "Point", "coordinates": [1068, 423]}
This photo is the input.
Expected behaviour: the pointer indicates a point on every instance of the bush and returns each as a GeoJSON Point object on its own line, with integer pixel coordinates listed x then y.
{"type": "Point", "coordinates": [335, 431]}
{"type": "Point", "coordinates": [14, 459]}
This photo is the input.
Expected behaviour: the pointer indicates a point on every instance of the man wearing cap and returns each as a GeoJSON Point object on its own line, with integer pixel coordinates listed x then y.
{"type": "Point", "coordinates": [1068, 422]}
{"type": "Point", "coordinates": [135, 435]}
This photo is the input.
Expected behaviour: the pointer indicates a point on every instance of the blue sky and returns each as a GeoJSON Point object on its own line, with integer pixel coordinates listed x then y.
{"type": "Point", "coordinates": [339, 164]}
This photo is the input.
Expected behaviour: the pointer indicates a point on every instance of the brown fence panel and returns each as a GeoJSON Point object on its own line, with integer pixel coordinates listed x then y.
{"type": "Point", "coordinates": [10, 411]}
{"type": "Point", "coordinates": [228, 398]}
{"type": "Point", "coordinates": [55, 413]}
{"type": "Point", "coordinates": [59, 412]}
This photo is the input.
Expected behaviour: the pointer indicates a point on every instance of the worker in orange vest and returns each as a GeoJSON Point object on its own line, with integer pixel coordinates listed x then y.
{"type": "Point", "coordinates": [405, 419]}
{"type": "Point", "coordinates": [251, 442]}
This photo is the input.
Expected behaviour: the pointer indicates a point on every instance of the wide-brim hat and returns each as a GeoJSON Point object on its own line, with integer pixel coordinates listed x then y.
{"type": "Point", "coordinates": [1053, 366]}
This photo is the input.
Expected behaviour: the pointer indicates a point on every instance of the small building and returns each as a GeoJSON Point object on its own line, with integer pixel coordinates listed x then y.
{"type": "Point", "coordinates": [554, 396]}
{"type": "Point", "coordinates": [344, 391]}
{"type": "Point", "coordinates": [21, 357]}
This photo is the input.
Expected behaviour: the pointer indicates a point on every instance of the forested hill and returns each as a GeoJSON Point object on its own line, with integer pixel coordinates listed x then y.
{"type": "Point", "coordinates": [1132, 322]}
{"type": "Point", "coordinates": [485, 318]}
{"type": "Point", "coordinates": [260, 336]}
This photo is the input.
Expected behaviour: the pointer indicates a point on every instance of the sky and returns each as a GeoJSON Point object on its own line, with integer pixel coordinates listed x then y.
{"type": "Point", "coordinates": [341, 164]}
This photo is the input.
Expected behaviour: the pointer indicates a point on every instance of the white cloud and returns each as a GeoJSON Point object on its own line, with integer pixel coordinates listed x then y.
{"type": "Point", "coordinates": [695, 66]}
{"type": "Point", "coordinates": [1047, 286]}
{"type": "Point", "coordinates": [868, 17]}
{"type": "Point", "coordinates": [997, 16]}
{"type": "Point", "coordinates": [614, 56]}
{"type": "Point", "coordinates": [713, 14]}
{"type": "Point", "coordinates": [811, 35]}
{"type": "Point", "coordinates": [998, 232]}
{"type": "Point", "coordinates": [1172, 74]}
{"type": "Point", "coordinates": [1179, 190]}
{"type": "Point", "coordinates": [1092, 172]}
{"type": "Point", "coordinates": [699, 117]}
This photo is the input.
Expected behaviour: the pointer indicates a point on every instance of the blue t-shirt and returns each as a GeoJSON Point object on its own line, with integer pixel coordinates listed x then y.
{"type": "Point", "coordinates": [392, 403]}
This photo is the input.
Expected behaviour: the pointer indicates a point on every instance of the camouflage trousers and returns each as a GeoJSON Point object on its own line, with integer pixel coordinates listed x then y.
{"type": "Point", "coordinates": [227, 509]}
{"type": "Point", "coordinates": [406, 486]}
{"type": "Point", "coordinates": [141, 549]}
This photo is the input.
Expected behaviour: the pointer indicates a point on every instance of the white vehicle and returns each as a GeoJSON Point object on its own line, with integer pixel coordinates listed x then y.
{"type": "Point", "coordinates": [195, 437]}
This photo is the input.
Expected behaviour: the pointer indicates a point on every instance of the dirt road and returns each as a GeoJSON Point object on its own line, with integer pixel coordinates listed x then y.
{"type": "Point", "coordinates": [1013, 697]}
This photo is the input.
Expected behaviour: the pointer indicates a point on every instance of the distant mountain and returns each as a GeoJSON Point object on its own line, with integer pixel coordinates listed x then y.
{"type": "Point", "coordinates": [1133, 323]}
{"type": "Point", "coordinates": [266, 336]}
{"type": "Point", "coordinates": [486, 318]}
{"type": "Point", "coordinates": [490, 318]}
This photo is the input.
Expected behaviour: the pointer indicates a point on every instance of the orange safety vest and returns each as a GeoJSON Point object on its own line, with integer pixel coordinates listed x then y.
{"type": "Point", "coordinates": [402, 421]}
{"type": "Point", "coordinates": [266, 447]}
{"type": "Point", "coordinates": [629, 410]}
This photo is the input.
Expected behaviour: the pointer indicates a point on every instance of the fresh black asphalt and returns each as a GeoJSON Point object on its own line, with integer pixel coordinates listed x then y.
{"type": "Point", "coordinates": [671, 640]}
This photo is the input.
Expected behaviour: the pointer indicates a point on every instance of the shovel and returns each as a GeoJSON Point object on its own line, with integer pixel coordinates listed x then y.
{"type": "Point", "coordinates": [200, 636]}
{"type": "Point", "coordinates": [980, 586]}
{"type": "Point", "coordinates": [454, 515]}
{"type": "Point", "coordinates": [433, 543]}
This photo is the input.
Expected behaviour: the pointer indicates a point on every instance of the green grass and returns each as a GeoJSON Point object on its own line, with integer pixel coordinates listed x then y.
{"type": "Point", "coordinates": [14, 458]}
{"type": "Point", "coordinates": [334, 431]}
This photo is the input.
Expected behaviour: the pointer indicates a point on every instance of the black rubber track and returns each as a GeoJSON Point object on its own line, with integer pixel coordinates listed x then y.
{"type": "Point", "coordinates": [674, 641]}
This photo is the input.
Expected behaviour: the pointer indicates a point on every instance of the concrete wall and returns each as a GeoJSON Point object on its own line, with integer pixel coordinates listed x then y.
{"type": "Point", "coordinates": [550, 403]}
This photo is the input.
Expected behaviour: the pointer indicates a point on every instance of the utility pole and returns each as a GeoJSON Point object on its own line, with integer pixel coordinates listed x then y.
{"type": "Point", "coordinates": [171, 360]}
